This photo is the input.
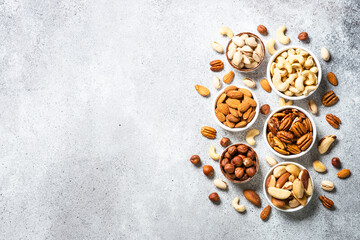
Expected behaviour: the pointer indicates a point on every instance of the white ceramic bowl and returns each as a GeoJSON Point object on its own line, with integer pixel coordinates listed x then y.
{"type": "Point", "coordinates": [272, 59]}
{"type": "Point", "coordinates": [235, 129]}
{"type": "Point", "coordinates": [268, 197]}
{"type": "Point", "coordinates": [293, 155]}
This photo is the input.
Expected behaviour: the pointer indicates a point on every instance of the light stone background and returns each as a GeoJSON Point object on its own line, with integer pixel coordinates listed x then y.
{"type": "Point", "coordinates": [99, 117]}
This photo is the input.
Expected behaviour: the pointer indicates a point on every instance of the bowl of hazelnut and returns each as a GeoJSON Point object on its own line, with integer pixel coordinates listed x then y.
{"type": "Point", "coordinates": [239, 163]}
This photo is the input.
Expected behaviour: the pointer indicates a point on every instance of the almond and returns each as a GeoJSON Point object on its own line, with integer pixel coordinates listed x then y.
{"type": "Point", "coordinates": [278, 203]}
{"type": "Point", "coordinates": [332, 78]}
{"type": "Point", "coordinates": [228, 77]}
{"type": "Point", "coordinates": [343, 173]}
{"type": "Point", "coordinates": [203, 91]}
{"type": "Point", "coordinates": [235, 94]}
{"type": "Point", "coordinates": [252, 196]}
{"type": "Point", "coordinates": [265, 213]}
{"type": "Point", "coordinates": [282, 180]}
{"type": "Point", "coordinates": [265, 85]}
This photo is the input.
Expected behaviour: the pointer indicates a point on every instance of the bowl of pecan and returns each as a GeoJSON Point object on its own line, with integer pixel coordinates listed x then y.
{"type": "Point", "coordinates": [239, 163]}
{"type": "Point", "coordinates": [235, 109]}
{"type": "Point", "coordinates": [290, 132]}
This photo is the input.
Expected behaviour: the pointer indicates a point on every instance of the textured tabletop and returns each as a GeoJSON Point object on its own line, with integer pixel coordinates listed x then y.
{"type": "Point", "coordinates": [99, 117]}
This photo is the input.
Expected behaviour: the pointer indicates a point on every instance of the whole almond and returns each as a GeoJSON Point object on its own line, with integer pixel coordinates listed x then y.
{"type": "Point", "coordinates": [262, 29]}
{"type": "Point", "coordinates": [303, 36]}
{"type": "Point", "coordinates": [228, 77]}
{"type": "Point", "coordinates": [265, 213]}
{"type": "Point", "coordinates": [265, 85]}
{"type": "Point", "coordinates": [343, 173]}
{"type": "Point", "coordinates": [252, 196]}
{"type": "Point", "coordinates": [203, 91]}
{"type": "Point", "coordinates": [332, 78]}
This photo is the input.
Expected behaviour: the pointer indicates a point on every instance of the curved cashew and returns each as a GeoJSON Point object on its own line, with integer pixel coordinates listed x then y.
{"type": "Point", "coordinates": [250, 136]}
{"type": "Point", "coordinates": [278, 84]}
{"type": "Point", "coordinates": [284, 54]}
{"type": "Point", "coordinates": [282, 102]}
{"type": "Point", "coordinates": [312, 79]}
{"type": "Point", "coordinates": [291, 52]}
{"type": "Point", "coordinates": [314, 69]}
{"type": "Point", "coordinates": [213, 154]}
{"type": "Point", "coordinates": [298, 67]}
{"type": "Point", "coordinates": [303, 53]}
{"type": "Point", "coordinates": [309, 89]}
{"type": "Point", "coordinates": [299, 83]}
{"type": "Point", "coordinates": [293, 90]}
{"type": "Point", "coordinates": [280, 35]}
{"type": "Point", "coordinates": [298, 58]}
{"type": "Point", "coordinates": [279, 59]}
{"type": "Point", "coordinates": [270, 46]}
{"type": "Point", "coordinates": [235, 204]}
{"type": "Point", "coordinates": [284, 64]}
{"type": "Point", "coordinates": [309, 62]}
{"type": "Point", "coordinates": [226, 31]}
{"type": "Point", "coordinates": [288, 93]}
{"type": "Point", "coordinates": [283, 72]}
{"type": "Point", "coordinates": [273, 66]}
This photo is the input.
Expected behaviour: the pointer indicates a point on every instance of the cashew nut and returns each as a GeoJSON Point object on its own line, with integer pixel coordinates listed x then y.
{"type": "Point", "coordinates": [291, 51]}
{"type": "Point", "coordinates": [280, 35]}
{"type": "Point", "coordinates": [309, 89]}
{"type": "Point", "coordinates": [235, 204]}
{"type": "Point", "coordinates": [298, 67]}
{"type": "Point", "coordinates": [294, 89]}
{"type": "Point", "coordinates": [250, 136]}
{"type": "Point", "coordinates": [298, 58]}
{"type": "Point", "coordinates": [270, 46]}
{"type": "Point", "coordinates": [312, 79]}
{"type": "Point", "coordinates": [278, 84]}
{"type": "Point", "coordinates": [288, 93]}
{"type": "Point", "coordinates": [299, 83]}
{"type": "Point", "coordinates": [284, 64]}
{"type": "Point", "coordinates": [284, 54]}
{"type": "Point", "coordinates": [282, 102]}
{"type": "Point", "coordinates": [273, 66]}
{"type": "Point", "coordinates": [213, 154]}
{"type": "Point", "coordinates": [226, 31]}
{"type": "Point", "coordinates": [314, 69]}
{"type": "Point", "coordinates": [309, 62]}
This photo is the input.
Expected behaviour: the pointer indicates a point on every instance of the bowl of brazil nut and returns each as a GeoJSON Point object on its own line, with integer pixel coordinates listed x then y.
{"type": "Point", "coordinates": [235, 109]}
{"type": "Point", "coordinates": [290, 132]}
{"type": "Point", "coordinates": [288, 187]}
{"type": "Point", "coordinates": [294, 73]}
{"type": "Point", "coordinates": [239, 163]}
{"type": "Point", "coordinates": [245, 52]}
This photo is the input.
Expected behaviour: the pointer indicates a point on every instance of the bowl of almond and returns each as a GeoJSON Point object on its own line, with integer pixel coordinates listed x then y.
{"type": "Point", "coordinates": [288, 187]}
{"type": "Point", "coordinates": [289, 132]}
{"type": "Point", "coordinates": [235, 109]}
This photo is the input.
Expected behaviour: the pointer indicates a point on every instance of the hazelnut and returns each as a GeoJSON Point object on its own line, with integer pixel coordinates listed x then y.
{"type": "Point", "coordinates": [229, 168]}
{"type": "Point", "coordinates": [239, 172]}
{"type": "Point", "coordinates": [208, 170]}
{"type": "Point", "coordinates": [251, 154]}
{"type": "Point", "coordinates": [232, 150]}
{"type": "Point", "coordinates": [248, 162]}
{"type": "Point", "coordinates": [195, 159]}
{"type": "Point", "coordinates": [244, 177]}
{"type": "Point", "coordinates": [231, 176]}
{"type": "Point", "coordinates": [250, 171]}
{"type": "Point", "coordinates": [265, 109]}
{"type": "Point", "coordinates": [242, 149]}
{"type": "Point", "coordinates": [303, 36]}
{"type": "Point", "coordinates": [225, 142]}
{"type": "Point", "coordinates": [224, 162]}
{"type": "Point", "coordinates": [336, 162]}
{"type": "Point", "coordinates": [227, 155]}
{"type": "Point", "coordinates": [214, 197]}
{"type": "Point", "coordinates": [237, 161]}
{"type": "Point", "coordinates": [262, 29]}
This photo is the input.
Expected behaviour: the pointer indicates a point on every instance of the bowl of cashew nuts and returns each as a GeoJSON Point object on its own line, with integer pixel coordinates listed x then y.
{"type": "Point", "coordinates": [294, 72]}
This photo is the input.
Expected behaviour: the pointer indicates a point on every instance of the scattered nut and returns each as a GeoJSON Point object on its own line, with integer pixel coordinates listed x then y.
{"type": "Point", "coordinates": [208, 170]}
{"type": "Point", "coordinates": [195, 159]}
{"type": "Point", "coordinates": [216, 65]}
{"type": "Point", "coordinates": [325, 54]}
{"type": "Point", "coordinates": [225, 142]}
{"type": "Point", "coordinates": [214, 197]}
{"type": "Point", "coordinates": [220, 184]}
{"type": "Point", "coordinates": [280, 35]}
{"type": "Point", "coordinates": [208, 132]}
{"type": "Point", "coordinates": [326, 202]}
{"type": "Point", "coordinates": [319, 166]}
{"type": "Point", "coordinates": [226, 31]}
{"type": "Point", "coordinates": [213, 154]}
{"type": "Point", "coordinates": [249, 83]}
{"type": "Point", "coordinates": [336, 162]}
{"type": "Point", "coordinates": [252, 196]}
{"type": "Point", "coordinates": [235, 204]}
{"type": "Point", "coordinates": [216, 82]}
{"type": "Point", "coordinates": [265, 85]}
{"type": "Point", "coordinates": [265, 109]}
{"type": "Point", "coordinates": [203, 91]}
{"type": "Point", "coordinates": [250, 136]}
{"type": "Point", "coordinates": [217, 47]}
{"type": "Point", "coordinates": [262, 29]}
{"type": "Point", "coordinates": [329, 99]}
{"type": "Point", "coordinates": [333, 120]}
{"type": "Point", "coordinates": [325, 143]}
{"type": "Point", "coordinates": [265, 213]}
{"type": "Point", "coordinates": [303, 36]}
{"type": "Point", "coordinates": [327, 185]}
{"type": "Point", "coordinates": [332, 78]}
{"type": "Point", "coordinates": [343, 173]}
{"type": "Point", "coordinates": [271, 161]}
{"type": "Point", "coordinates": [283, 103]}
{"type": "Point", "coordinates": [312, 107]}
{"type": "Point", "coordinates": [228, 77]}
{"type": "Point", "coordinates": [270, 46]}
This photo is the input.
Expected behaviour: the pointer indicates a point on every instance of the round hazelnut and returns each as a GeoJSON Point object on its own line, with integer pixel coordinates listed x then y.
{"type": "Point", "coordinates": [242, 149]}
{"type": "Point", "coordinates": [208, 170]}
{"type": "Point", "coordinates": [225, 142]}
{"type": "Point", "coordinates": [231, 176]}
{"type": "Point", "coordinates": [336, 162]}
{"type": "Point", "coordinates": [265, 109]}
{"type": "Point", "coordinates": [262, 29]}
{"type": "Point", "coordinates": [237, 161]}
{"type": "Point", "coordinates": [250, 171]}
{"type": "Point", "coordinates": [195, 159]}
{"type": "Point", "coordinates": [243, 178]}
{"type": "Point", "coordinates": [232, 150]}
{"type": "Point", "coordinates": [224, 162]}
{"type": "Point", "coordinates": [303, 36]}
{"type": "Point", "coordinates": [239, 172]}
{"type": "Point", "coordinates": [214, 197]}
{"type": "Point", "coordinates": [227, 155]}
{"type": "Point", "coordinates": [250, 154]}
{"type": "Point", "coordinates": [229, 168]}
{"type": "Point", "coordinates": [248, 162]}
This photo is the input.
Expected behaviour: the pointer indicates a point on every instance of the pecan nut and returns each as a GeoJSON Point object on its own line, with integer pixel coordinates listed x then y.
{"type": "Point", "coordinates": [305, 141]}
{"type": "Point", "coordinates": [333, 120]}
{"type": "Point", "coordinates": [216, 65]}
{"type": "Point", "coordinates": [279, 143]}
{"type": "Point", "coordinates": [285, 124]}
{"type": "Point", "coordinates": [293, 148]}
{"type": "Point", "coordinates": [326, 202]}
{"type": "Point", "coordinates": [273, 125]}
{"type": "Point", "coordinates": [208, 132]}
{"type": "Point", "coordinates": [282, 151]}
{"type": "Point", "coordinates": [284, 136]}
{"type": "Point", "coordinates": [307, 124]}
{"type": "Point", "coordinates": [329, 99]}
{"type": "Point", "coordinates": [298, 129]}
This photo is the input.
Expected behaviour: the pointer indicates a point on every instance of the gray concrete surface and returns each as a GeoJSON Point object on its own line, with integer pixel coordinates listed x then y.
{"type": "Point", "coordinates": [99, 117]}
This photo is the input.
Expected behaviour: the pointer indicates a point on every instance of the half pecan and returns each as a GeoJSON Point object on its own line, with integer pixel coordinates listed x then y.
{"type": "Point", "coordinates": [298, 129]}
{"type": "Point", "coordinates": [279, 143]}
{"type": "Point", "coordinates": [326, 202]}
{"type": "Point", "coordinates": [285, 123]}
{"type": "Point", "coordinates": [307, 125]}
{"type": "Point", "coordinates": [329, 99]}
{"type": "Point", "coordinates": [284, 136]}
{"type": "Point", "coordinates": [216, 65]}
{"type": "Point", "coordinates": [208, 132]}
{"type": "Point", "coordinates": [293, 148]}
{"type": "Point", "coordinates": [270, 138]}
{"type": "Point", "coordinates": [282, 151]}
{"type": "Point", "coordinates": [273, 125]}
{"type": "Point", "coordinates": [305, 141]}
{"type": "Point", "coordinates": [333, 120]}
